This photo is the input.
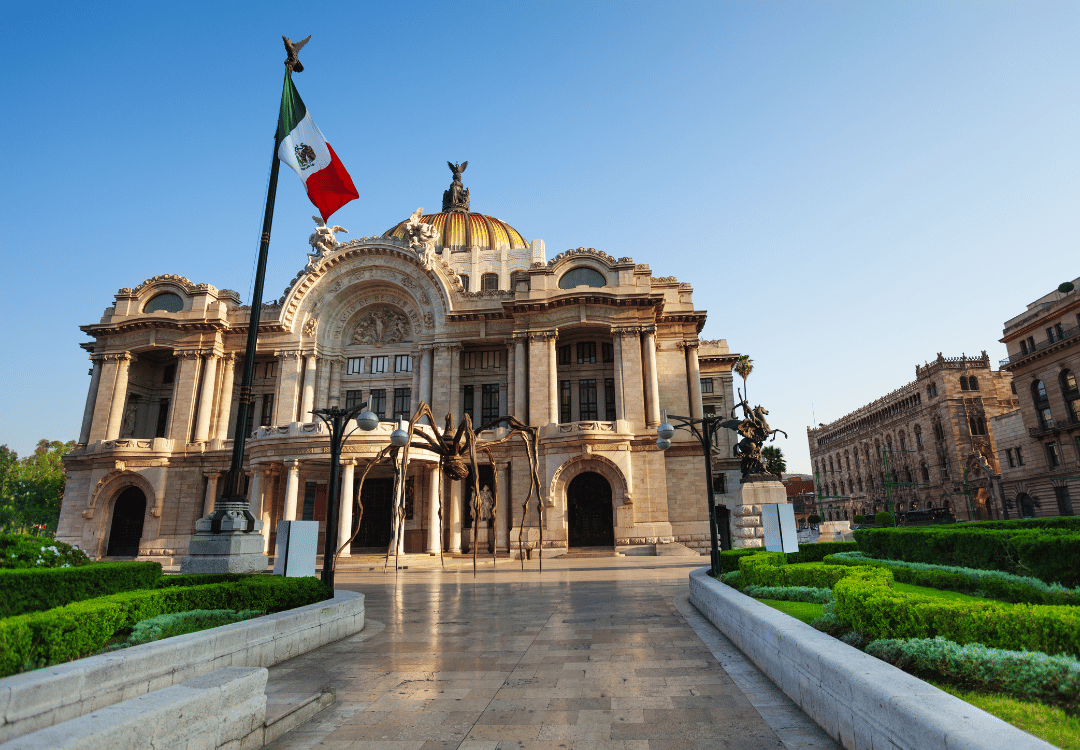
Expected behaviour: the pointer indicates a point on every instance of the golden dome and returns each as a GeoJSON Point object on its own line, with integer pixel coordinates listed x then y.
{"type": "Point", "coordinates": [459, 230]}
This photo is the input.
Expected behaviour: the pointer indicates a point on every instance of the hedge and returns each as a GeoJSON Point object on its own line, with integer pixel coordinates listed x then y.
{"type": "Point", "coordinates": [1052, 555]}
{"type": "Point", "coordinates": [866, 600]}
{"type": "Point", "coordinates": [25, 551]}
{"type": "Point", "coordinates": [25, 590]}
{"type": "Point", "coordinates": [813, 552]}
{"type": "Point", "coordinates": [992, 584]}
{"type": "Point", "coordinates": [772, 570]}
{"type": "Point", "coordinates": [76, 630]}
{"type": "Point", "coordinates": [1053, 522]}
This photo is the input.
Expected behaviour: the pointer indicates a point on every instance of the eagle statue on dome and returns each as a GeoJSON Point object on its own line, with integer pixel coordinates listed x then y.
{"type": "Point", "coordinates": [456, 197]}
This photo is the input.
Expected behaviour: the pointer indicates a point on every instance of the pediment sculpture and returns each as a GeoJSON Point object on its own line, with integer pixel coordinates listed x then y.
{"type": "Point", "coordinates": [381, 327]}
{"type": "Point", "coordinates": [421, 237]}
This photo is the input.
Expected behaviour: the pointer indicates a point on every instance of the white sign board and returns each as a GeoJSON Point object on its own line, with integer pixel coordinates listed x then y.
{"type": "Point", "coordinates": [296, 547]}
{"type": "Point", "coordinates": [779, 524]}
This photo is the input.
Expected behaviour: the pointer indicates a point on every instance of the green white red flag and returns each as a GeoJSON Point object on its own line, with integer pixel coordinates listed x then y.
{"type": "Point", "coordinates": [302, 146]}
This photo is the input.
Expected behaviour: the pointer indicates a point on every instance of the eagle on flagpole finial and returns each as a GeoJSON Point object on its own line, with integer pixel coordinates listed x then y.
{"type": "Point", "coordinates": [292, 62]}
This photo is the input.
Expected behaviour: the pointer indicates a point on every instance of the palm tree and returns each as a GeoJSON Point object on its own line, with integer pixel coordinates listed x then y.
{"type": "Point", "coordinates": [744, 367]}
{"type": "Point", "coordinates": [774, 461]}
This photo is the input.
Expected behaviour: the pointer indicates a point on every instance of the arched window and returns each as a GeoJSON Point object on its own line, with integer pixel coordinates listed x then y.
{"type": "Point", "coordinates": [907, 475]}
{"type": "Point", "coordinates": [1038, 391]}
{"type": "Point", "coordinates": [1068, 383]}
{"type": "Point", "coordinates": [860, 484]}
{"type": "Point", "coordinates": [963, 382]}
{"type": "Point", "coordinates": [925, 471]}
{"type": "Point", "coordinates": [582, 276]}
{"type": "Point", "coordinates": [903, 442]}
{"type": "Point", "coordinates": [847, 460]}
{"type": "Point", "coordinates": [489, 282]}
{"type": "Point", "coordinates": [856, 459]}
{"type": "Point", "coordinates": [973, 383]}
{"type": "Point", "coordinates": [918, 437]}
{"type": "Point", "coordinates": [167, 302]}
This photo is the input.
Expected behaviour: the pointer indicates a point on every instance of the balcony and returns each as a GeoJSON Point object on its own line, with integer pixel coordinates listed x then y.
{"type": "Point", "coordinates": [1053, 427]}
{"type": "Point", "coordinates": [1066, 334]}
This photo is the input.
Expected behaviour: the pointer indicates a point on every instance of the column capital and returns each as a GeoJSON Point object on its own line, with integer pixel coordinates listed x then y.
{"type": "Point", "coordinates": [348, 462]}
{"type": "Point", "coordinates": [292, 463]}
{"type": "Point", "coordinates": [190, 354]}
{"type": "Point", "coordinates": [120, 357]}
{"type": "Point", "coordinates": [520, 336]}
{"type": "Point", "coordinates": [649, 330]}
{"type": "Point", "coordinates": [688, 344]}
{"type": "Point", "coordinates": [231, 357]}
{"type": "Point", "coordinates": [293, 354]}
{"type": "Point", "coordinates": [97, 359]}
{"type": "Point", "coordinates": [623, 331]}
{"type": "Point", "coordinates": [213, 474]}
{"type": "Point", "coordinates": [543, 335]}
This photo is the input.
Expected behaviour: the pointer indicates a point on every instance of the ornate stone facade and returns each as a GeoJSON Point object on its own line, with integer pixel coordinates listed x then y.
{"type": "Point", "coordinates": [381, 320]}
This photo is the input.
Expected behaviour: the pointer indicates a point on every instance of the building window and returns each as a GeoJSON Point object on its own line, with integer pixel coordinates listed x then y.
{"type": "Point", "coordinates": [163, 418]}
{"type": "Point", "coordinates": [267, 415]}
{"type": "Point", "coordinates": [581, 276]}
{"type": "Point", "coordinates": [380, 364]}
{"type": "Point", "coordinates": [719, 484]}
{"type": "Point", "coordinates": [402, 403]}
{"type": "Point", "coordinates": [1010, 457]}
{"type": "Point", "coordinates": [587, 400]}
{"type": "Point", "coordinates": [932, 389]}
{"type": "Point", "coordinates": [586, 352]}
{"type": "Point", "coordinates": [564, 400]}
{"type": "Point", "coordinates": [468, 403]}
{"type": "Point", "coordinates": [403, 363]}
{"type": "Point", "coordinates": [563, 355]}
{"type": "Point", "coordinates": [1012, 387]}
{"type": "Point", "coordinates": [918, 437]}
{"type": "Point", "coordinates": [977, 425]}
{"type": "Point", "coordinates": [963, 382]}
{"type": "Point", "coordinates": [377, 402]}
{"type": "Point", "coordinates": [489, 359]}
{"type": "Point", "coordinates": [1023, 348]}
{"type": "Point", "coordinates": [973, 383]}
{"type": "Point", "coordinates": [489, 282]}
{"type": "Point", "coordinates": [464, 281]}
{"type": "Point", "coordinates": [1068, 383]}
{"type": "Point", "coordinates": [1019, 457]}
{"type": "Point", "coordinates": [1064, 502]}
{"type": "Point", "coordinates": [489, 402]}
{"type": "Point", "coordinates": [353, 399]}
{"type": "Point", "coordinates": [607, 351]}
{"type": "Point", "coordinates": [354, 366]}
{"type": "Point", "coordinates": [309, 501]}
{"type": "Point", "coordinates": [1053, 454]}
{"type": "Point", "coordinates": [1046, 419]}
{"type": "Point", "coordinates": [903, 444]}
{"type": "Point", "coordinates": [609, 400]}
{"type": "Point", "coordinates": [925, 471]}
{"type": "Point", "coordinates": [1074, 411]}
{"type": "Point", "coordinates": [706, 385]}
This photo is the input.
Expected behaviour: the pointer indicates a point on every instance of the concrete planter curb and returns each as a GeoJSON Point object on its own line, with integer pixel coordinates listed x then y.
{"type": "Point", "coordinates": [862, 702]}
{"type": "Point", "coordinates": [44, 697]}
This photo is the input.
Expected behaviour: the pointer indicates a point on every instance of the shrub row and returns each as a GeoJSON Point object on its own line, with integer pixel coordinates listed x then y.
{"type": "Point", "coordinates": [25, 590]}
{"type": "Point", "coordinates": [772, 570]}
{"type": "Point", "coordinates": [790, 593]}
{"type": "Point", "coordinates": [75, 630]}
{"type": "Point", "coordinates": [179, 623]}
{"type": "Point", "coordinates": [1052, 555]}
{"type": "Point", "coordinates": [992, 584]}
{"type": "Point", "coordinates": [1053, 522]}
{"type": "Point", "coordinates": [814, 552]}
{"type": "Point", "coordinates": [866, 600]}
{"type": "Point", "coordinates": [1024, 675]}
{"type": "Point", "coordinates": [25, 551]}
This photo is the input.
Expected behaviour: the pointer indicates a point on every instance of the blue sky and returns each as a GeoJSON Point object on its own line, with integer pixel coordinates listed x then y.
{"type": "Point", "coordinates": [850, 187]}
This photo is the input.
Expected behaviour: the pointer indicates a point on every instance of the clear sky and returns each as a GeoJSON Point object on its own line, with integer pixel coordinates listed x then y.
{"type": "Point", "coordinates": [850, 187]}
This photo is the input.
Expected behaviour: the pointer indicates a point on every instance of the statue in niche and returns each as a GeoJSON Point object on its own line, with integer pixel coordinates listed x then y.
{"type": "Point", "coordinates": [456, 197]}
{"type": "Point", "coordinates": [754, 431]}
{"type": "Point", "coordinates": [127, 426]}
{"type": "Point", "coordinates": [323, 240]}
{"type": "Point", "coordinates": [486, 502]}
{"type": "Point", "coordinates": [381, 327]}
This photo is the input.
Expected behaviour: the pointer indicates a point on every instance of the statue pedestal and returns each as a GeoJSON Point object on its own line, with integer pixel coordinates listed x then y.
{"type": "Point", "coordinates": [231, 550]}
{"type": "Point", "coordinates": [836, 531]}
{"type": "Point", "coordinates": [755, 491]}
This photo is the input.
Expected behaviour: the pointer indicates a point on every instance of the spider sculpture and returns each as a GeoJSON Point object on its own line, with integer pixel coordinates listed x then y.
{"type": "Point", "coordinates": [457, 451]}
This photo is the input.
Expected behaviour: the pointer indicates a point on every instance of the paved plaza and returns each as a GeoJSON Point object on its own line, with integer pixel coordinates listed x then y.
{"type": "Point", "coordinates": [592, 653]}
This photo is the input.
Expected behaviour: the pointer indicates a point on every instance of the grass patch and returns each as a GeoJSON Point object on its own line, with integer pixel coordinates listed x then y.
{"type": "Point", "coordinates": [951, 596]}
{"type": "Point", "coordinates": [805, 611]}
{"type": "Point", "coordinates": [1045, 722]}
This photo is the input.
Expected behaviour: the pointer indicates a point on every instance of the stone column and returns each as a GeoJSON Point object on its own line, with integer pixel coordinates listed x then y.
{"type": "Point", "coordinates": [310, 373]}
{"type": "Point", "coordinates": [508, 403]}
{"type": "Point", "coordinates": [620, 394]}
{"type": "Point", "coordinates": [322, 382]}
{"type": "Point", "coordinates": [256, 411]}
{"type": "Point", "coordinates": [334, 397]}
{"type": "Point", "coordinates": [91, 399]}
{"type": "Point", "coordinates": [425, 375]}
{"type": "Point", "coordinates": [633, 388]}
{"type": "Point", "coordinates": [288, 387]}
{"type": "Point", "coordinates": [434, 537]}
{"type": "Point", "coordinates": [553, 381]}
{"type": "Point", "coordinates": [211, 492]}
{"type": "Point", "coordinates": [502, 538]}
{"type": "Point", "coordinates": [183, 402]}
{"type": "Point", "coordinates": [539, 379]}
{"type": "Point", "coordinates": [521, 378]}
{"type": "Point", "coordinates": [292, 489]}
{"type": "Point", "coordinates": [454, 376]}
{"type": "Point", "coordinates": [345, 504]}
{"type": "Point", "coordinates": [455, 517]}
{"type": "Point", "coordinates": [652, 389]}
{"type": "Point", "coordinates": [694, 376]}
{"type": "Point", "coordinates": [255, 493]}
{"type": "Point", "coordinates": [119, 396]}
{"type": "Point", "coordinates": [206, 398]}
{"type": "Point", "coordinates": [228, 363]}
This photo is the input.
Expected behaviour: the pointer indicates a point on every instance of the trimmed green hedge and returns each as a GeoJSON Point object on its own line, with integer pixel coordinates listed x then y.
{"type": "Point", "coordinates": [25, 551]}
{"type": "Point", "coordinates": [200, 579]}
{"type": "Point", "coordinates": [24, 590]}
{"type": "Point", "coordinates": [1053, 522]}
{"type": "Point", "coordinates": [992, 584]}
{"type": "Point", "coordinates": [1052, 555]}
{"type": "Point", "coordinates": [866, 600]}
{"type": "Point", "coordinates": [70, 632]}
{"type": "Point", "coordinates": [772, 570]}
{"type": "Point", "coordinates": [814, 552]}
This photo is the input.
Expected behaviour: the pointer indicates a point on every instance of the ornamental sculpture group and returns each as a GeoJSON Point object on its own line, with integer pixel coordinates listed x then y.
{"type": "Point", "coordinates": [754, 431]}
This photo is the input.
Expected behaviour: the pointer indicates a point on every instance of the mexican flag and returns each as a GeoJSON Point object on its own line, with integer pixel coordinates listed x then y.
{"type": "Point", "coordinates": [301, 145]}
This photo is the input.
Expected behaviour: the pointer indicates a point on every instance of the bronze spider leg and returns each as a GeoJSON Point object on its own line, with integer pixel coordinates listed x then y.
{"type": "Point", "coordinates": [360, 503]}
{"type": "Point", "coordinates": [494, 504]}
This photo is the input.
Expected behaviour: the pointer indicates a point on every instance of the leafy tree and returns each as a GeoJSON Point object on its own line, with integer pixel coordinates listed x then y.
{"type": "Point", "coordinates": [32, 489]}
{"type": "Point", "coordinates": [773, 458]}
{"type": "Point", "coordinates": [813, 520]}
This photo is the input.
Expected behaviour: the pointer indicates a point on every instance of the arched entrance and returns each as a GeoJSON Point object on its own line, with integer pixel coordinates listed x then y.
{"type": "Point", "coordinates": [378, 503]}
{"type": "Point", "coordinates": [590, 515]}
{"type": "Point", "coordinates": [1025, 504]}
{"type": "Point", "coordinates": [127, 522]}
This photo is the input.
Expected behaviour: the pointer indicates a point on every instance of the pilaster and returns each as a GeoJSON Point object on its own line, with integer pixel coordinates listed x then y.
{"type": "Point", "coordinates": [310, 375]}
{"type": "Point", "coordinates": [652, 388]}
{"type": "Point", "coordinates": [434, 540]}
{"type": "Point", "coordinates": [287, 400]}
{"type": "Point", "coordinates": [206, 397]}
{"type": "Point", "coordinates": [521, 378]}
{"type": "Point", "coordinates": [118, 395]}
{"type": "Point", "coordinates": [225, 397]}
{"type": "Point", "coordinates": [631, 366]}
{"type": "Point", "coordinates": [292, 489]}
{"type": "Point", "coordinates": [91, 399]}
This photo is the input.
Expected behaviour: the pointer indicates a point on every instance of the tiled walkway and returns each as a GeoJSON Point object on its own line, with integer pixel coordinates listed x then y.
{"type": "Point", "coordinates": [590, 654]}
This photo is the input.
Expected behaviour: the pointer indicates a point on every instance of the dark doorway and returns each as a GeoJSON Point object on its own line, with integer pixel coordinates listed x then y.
{"type": "Point", "coordinates": [1027, 507]}
{"type": "Point", "coordinates": [723, 526]}
{"type": "Point", "coordinates": [590, 514]}
{"type": "Point", "coordinates": [375, 523]}
{"type": "Point", "coordinates": [127, 522]}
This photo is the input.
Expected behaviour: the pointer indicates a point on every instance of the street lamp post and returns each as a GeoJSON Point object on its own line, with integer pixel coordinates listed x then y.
{"type": "Point", "coordinates": [336, 420]}
{"type": "Point", "coordinates": [703, 429]}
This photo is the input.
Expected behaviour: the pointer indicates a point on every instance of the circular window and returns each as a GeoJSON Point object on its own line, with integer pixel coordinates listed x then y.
{"type": "Point", "coordinates": [582, 277]}
{"type": "Point", "coordinates": [167, 302]}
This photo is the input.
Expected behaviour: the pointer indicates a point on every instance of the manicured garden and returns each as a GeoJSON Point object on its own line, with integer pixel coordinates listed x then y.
{"type": "Point", "coordinates": [56, 605]}
{"type": "Point", "coordinates": [988, 611]}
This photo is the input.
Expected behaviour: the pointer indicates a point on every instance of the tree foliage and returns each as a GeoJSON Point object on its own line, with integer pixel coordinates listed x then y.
{"type": "Point", "coordinates": [774, 461]}
{"type": "Point", "coordinates": [32, 488]}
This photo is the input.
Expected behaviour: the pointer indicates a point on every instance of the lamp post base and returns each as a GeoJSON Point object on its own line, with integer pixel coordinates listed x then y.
{"type": "Point", "coordinates": [233, 549]}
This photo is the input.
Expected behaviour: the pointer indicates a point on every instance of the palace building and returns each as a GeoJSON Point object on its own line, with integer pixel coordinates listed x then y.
{"type": "Point", "coordinates": [587, 347]}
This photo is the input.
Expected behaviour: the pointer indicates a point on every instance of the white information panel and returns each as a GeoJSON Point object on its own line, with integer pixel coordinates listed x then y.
{"type": "Point", "coordinates": [296, 548]}
{"type": "Point", "coordinates": [778, 522]}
